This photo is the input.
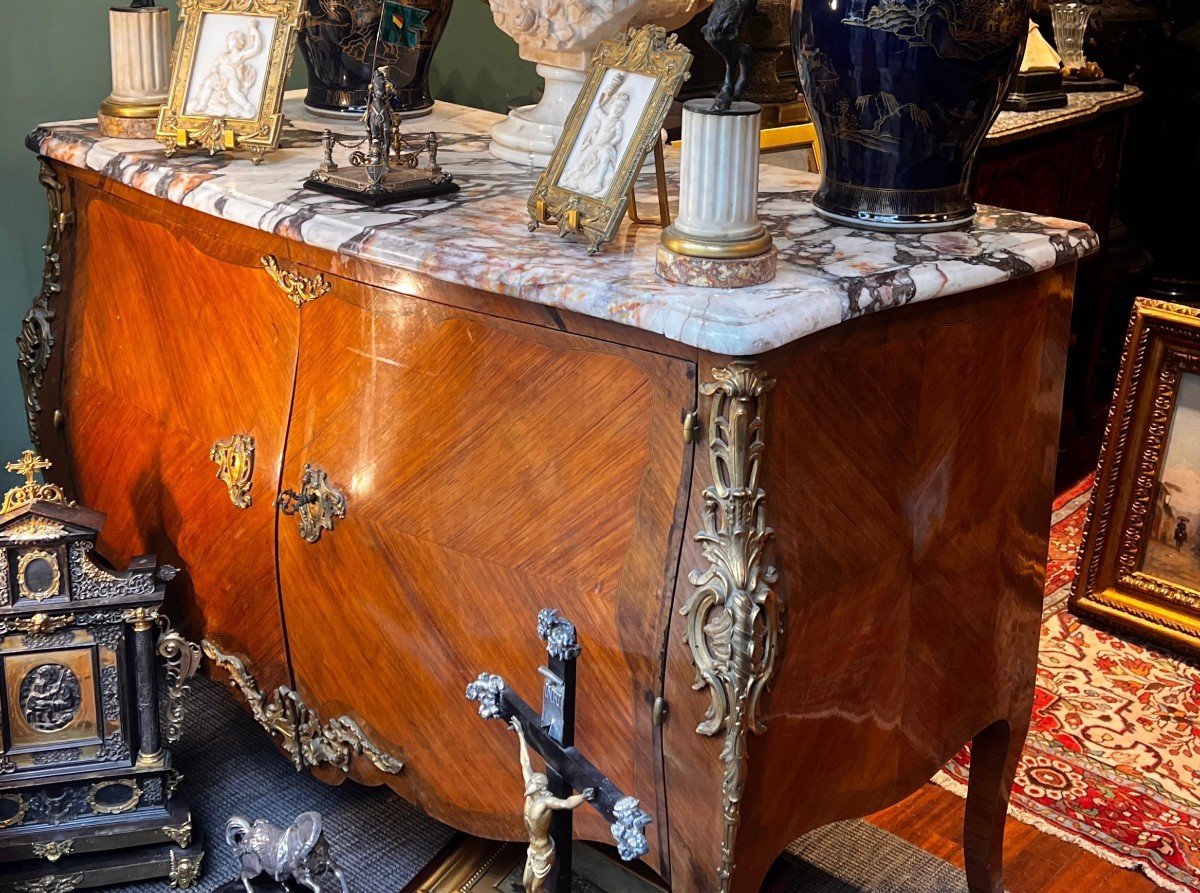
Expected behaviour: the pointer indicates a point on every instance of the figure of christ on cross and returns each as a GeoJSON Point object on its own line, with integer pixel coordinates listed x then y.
{"type": "Point", "coordinates": [540, 806]}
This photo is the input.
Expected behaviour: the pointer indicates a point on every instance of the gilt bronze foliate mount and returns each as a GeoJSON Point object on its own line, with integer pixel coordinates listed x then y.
{"type": "Point", "coordinates": [307, 740]}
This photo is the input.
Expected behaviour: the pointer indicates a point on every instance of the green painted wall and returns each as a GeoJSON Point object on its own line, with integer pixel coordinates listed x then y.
{"type": "Point", "coordinates": [54, 66]}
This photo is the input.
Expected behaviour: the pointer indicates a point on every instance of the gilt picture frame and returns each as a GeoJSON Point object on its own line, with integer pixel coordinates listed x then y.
{"type": "Point", "coordinates": [616, 121]}
{"type": "Point", "coordinates": [229, 69]}
{"type": "Point", "coordinates": [1139, 564]}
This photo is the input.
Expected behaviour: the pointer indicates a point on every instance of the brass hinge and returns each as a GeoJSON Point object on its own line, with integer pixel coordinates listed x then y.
{"type": "Point", "coordinates": [660, 711]}
{"type": "Point", "coordinates": [300, 290]}
{"type": "Point", "coordinates": [691, 427]}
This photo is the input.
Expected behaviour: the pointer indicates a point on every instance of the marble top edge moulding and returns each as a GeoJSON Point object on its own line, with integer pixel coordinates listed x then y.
{"type": "Point", "coordinates": [478, 238]}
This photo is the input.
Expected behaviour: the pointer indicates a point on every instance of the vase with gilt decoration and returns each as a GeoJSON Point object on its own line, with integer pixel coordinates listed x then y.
{"type": "Point", "coordinates": [343, 41]}
{"type": "Point", "coordinates": [902, 93]}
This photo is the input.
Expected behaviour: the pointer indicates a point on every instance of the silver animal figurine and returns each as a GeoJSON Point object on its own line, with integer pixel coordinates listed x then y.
{"type": "Point", "coordinates": [298, 852]}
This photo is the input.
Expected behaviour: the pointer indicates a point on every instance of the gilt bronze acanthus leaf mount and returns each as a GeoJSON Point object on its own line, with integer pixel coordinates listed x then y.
{"type": "Point", "coordinates": [299, 289]}
{"type": "Point", "coordinates": [734, 618]}
{"type": "Point", "coordinates": [36, 341]}
{"type": "Point", "coordinates": [306, 739]}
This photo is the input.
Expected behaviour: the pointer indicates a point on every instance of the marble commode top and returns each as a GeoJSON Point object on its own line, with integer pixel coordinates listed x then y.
{"type": "Point", "coordinates": [478, 237]}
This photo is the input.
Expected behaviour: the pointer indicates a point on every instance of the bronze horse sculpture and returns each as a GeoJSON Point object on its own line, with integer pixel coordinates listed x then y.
{"type": "Point", "coordinates": [723, 31]}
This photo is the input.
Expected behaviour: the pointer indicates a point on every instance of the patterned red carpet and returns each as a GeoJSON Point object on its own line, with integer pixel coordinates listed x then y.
{"type": "Point", "coordinates": [1112, 762]}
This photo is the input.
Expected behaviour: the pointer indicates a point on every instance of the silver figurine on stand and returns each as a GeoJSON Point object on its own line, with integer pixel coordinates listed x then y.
{"type": "Point", "coordinates": [383, 167]}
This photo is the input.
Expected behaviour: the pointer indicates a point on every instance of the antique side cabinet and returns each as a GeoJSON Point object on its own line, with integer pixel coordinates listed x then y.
{"type": "Point", "coordinates": [800, 528]}
{"type": "Point", "coordinates": [87, 789]}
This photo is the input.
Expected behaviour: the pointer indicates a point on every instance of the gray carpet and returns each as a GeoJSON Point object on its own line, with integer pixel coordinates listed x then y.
{"type": "Point", "coordinates": [381, 842]}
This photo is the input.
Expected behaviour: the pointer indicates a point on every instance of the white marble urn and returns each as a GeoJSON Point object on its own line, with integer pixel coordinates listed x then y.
{"type": "Point", "coordinates": [560, 36]}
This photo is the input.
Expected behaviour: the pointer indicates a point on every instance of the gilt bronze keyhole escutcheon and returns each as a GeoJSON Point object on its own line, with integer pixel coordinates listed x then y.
{"type": "Point", "coordinates": [316, 505]}
{"type": "Point", "coordinates": [235, 467]}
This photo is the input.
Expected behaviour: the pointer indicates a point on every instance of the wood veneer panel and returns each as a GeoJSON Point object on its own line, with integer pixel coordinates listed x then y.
{"type": "Point", "coordinates": [908, 469]}
{"type": "Point", "coordinates": [490, 469]}
{"type": "Point", "coordinates": [169, 349]}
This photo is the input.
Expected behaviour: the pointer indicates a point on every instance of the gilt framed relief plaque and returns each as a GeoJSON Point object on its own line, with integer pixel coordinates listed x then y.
{"type": "Point", "coordinates": [228, 73]}
{"type": "Point", "coordinates": [613, 125]}
{"type": "Point", "coordinates": [1140, 560]}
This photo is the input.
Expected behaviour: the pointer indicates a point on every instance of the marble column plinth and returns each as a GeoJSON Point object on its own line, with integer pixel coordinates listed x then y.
{"type": "Point", "coordinates": [140, 43]}
{"type": "Point", "coordinates": [717, 238]}
{"type": "Point", "coordinates": [715, 272]}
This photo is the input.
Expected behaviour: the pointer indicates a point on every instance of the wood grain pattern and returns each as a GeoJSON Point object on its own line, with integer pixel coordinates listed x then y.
{"type": "Point", "coordinates": [498, 458]}
{"type": "Point", "coordinates": [1036, 862]}
{"type": "Point", "coordinates": [908, 470]}
{"type": "Point", "coordinates": [177, 340]}
{"type": "Point", "coordinates": [490, 469]}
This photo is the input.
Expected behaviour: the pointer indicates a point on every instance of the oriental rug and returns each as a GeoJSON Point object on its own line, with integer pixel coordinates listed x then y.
{"type": "Point", "coordinates": [1112, 762]}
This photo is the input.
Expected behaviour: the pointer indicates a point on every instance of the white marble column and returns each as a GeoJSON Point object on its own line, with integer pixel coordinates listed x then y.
{"type": "Point", "coordinates": [718, 180]}
{"type": "Point", "coordinates": [140, 45]}
{"type": "Point", "coordinates": [717, 239]}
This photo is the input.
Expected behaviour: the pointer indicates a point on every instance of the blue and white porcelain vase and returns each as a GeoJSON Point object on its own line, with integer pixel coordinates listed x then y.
{"type": "Point", "coordinates": [902, 93]}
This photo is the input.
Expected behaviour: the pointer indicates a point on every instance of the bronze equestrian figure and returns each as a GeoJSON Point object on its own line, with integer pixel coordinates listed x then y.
{"type": "Point", "coordinates": [723, 31]}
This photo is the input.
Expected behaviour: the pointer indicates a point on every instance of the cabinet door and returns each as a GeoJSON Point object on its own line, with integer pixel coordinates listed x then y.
{"type": "Point", "coordinates": [176, 340]}
{"type": "Point", "coordinates": [489, 469]}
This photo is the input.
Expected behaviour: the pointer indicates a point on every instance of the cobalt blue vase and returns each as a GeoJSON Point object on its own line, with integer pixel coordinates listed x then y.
{"type": "Point", "coordinates": [902, 93]}
{"type": "Point", "coordinates": [344, 41]}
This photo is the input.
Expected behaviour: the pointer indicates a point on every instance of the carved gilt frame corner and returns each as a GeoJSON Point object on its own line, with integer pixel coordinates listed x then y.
{"type": "Point", "coordinates": [648, 51]}
{"type": "Point", "coordinates": [1162, 345]}
{"type": "Point", "coordinates": [256, 135]}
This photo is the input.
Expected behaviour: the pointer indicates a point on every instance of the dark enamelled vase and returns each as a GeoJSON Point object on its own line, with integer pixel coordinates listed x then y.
{"type": "Point", "coordinates": [902, 93]}
{"type": "Point", "coordinates": [343, 41]}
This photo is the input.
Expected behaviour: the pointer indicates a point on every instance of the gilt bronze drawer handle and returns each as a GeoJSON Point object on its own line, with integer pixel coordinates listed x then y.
{"type": "Point", "coordinates": [299, 289]}
{"type": "Point", "coordinates": [235, 467]}
{"type": "Point", "coordinates": [316, 505]}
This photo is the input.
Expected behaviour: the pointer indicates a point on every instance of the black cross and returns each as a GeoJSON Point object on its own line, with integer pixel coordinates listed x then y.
{"type": "Point", "coordinates": [552, 734]}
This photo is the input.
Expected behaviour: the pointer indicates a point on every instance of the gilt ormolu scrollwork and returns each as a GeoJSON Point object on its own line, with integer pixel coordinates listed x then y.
{"type": "Point", "coordinates": [734, 618]}
{"type": "Point", "coordinates": [235, 467]}
{"type": "Point", "coordinates": [36, 341]}
{"type": "Point", "coordinates": [308, 741]}
{"type": "Point", "coordinates": [316, 506]}
{"type": "Point", "coordinates": [183, 660]}
{"type": "Point", "coordinates": [299, 289]}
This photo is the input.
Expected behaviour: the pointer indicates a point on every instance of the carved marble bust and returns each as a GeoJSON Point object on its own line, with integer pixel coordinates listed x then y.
{"type": "Point", "coordinates": [563, 33]}
{"type": "Point", "coordinates": [560, 35]}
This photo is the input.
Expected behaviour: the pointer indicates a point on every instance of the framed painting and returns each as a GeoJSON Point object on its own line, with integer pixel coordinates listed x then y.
{"type": "Point", "coordinates": [1140, 560]}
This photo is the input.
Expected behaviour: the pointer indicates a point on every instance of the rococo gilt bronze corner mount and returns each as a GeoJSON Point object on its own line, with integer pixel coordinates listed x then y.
{"type": "Point", "coordinates": [1134, 569]}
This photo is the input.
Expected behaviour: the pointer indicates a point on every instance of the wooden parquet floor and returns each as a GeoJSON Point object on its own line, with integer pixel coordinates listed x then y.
{"type": "Point", "coordinates": [1034, 862]}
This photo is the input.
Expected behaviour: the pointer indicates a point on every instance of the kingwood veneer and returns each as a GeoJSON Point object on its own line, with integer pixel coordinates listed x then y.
{"type": "Point", "coordinates": [497, 457]}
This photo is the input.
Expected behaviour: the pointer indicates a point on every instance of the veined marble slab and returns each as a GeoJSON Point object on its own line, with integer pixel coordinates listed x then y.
{"type": "Point", "coordinates": [1080, 107]}
{"type": "Point", "coordinates": [478, 237]}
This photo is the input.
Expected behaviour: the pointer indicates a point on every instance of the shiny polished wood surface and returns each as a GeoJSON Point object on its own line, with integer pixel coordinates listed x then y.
{"type": "Point", "coordinates": [498, 458]}
{"type": "Point", "coordinates": [908, 472]}
{"type": "Point", "coordinates": [177, 340]}
{"type": "Point", "coordinates": [490, 469]}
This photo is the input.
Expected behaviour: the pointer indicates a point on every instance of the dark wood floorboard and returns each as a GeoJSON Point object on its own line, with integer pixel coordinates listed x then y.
{"type": "Point", "coordinates": [1034, 862]}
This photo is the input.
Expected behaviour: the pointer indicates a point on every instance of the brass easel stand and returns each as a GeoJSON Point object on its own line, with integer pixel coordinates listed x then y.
{"type": "Point", "coordinates": [660, 177]}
